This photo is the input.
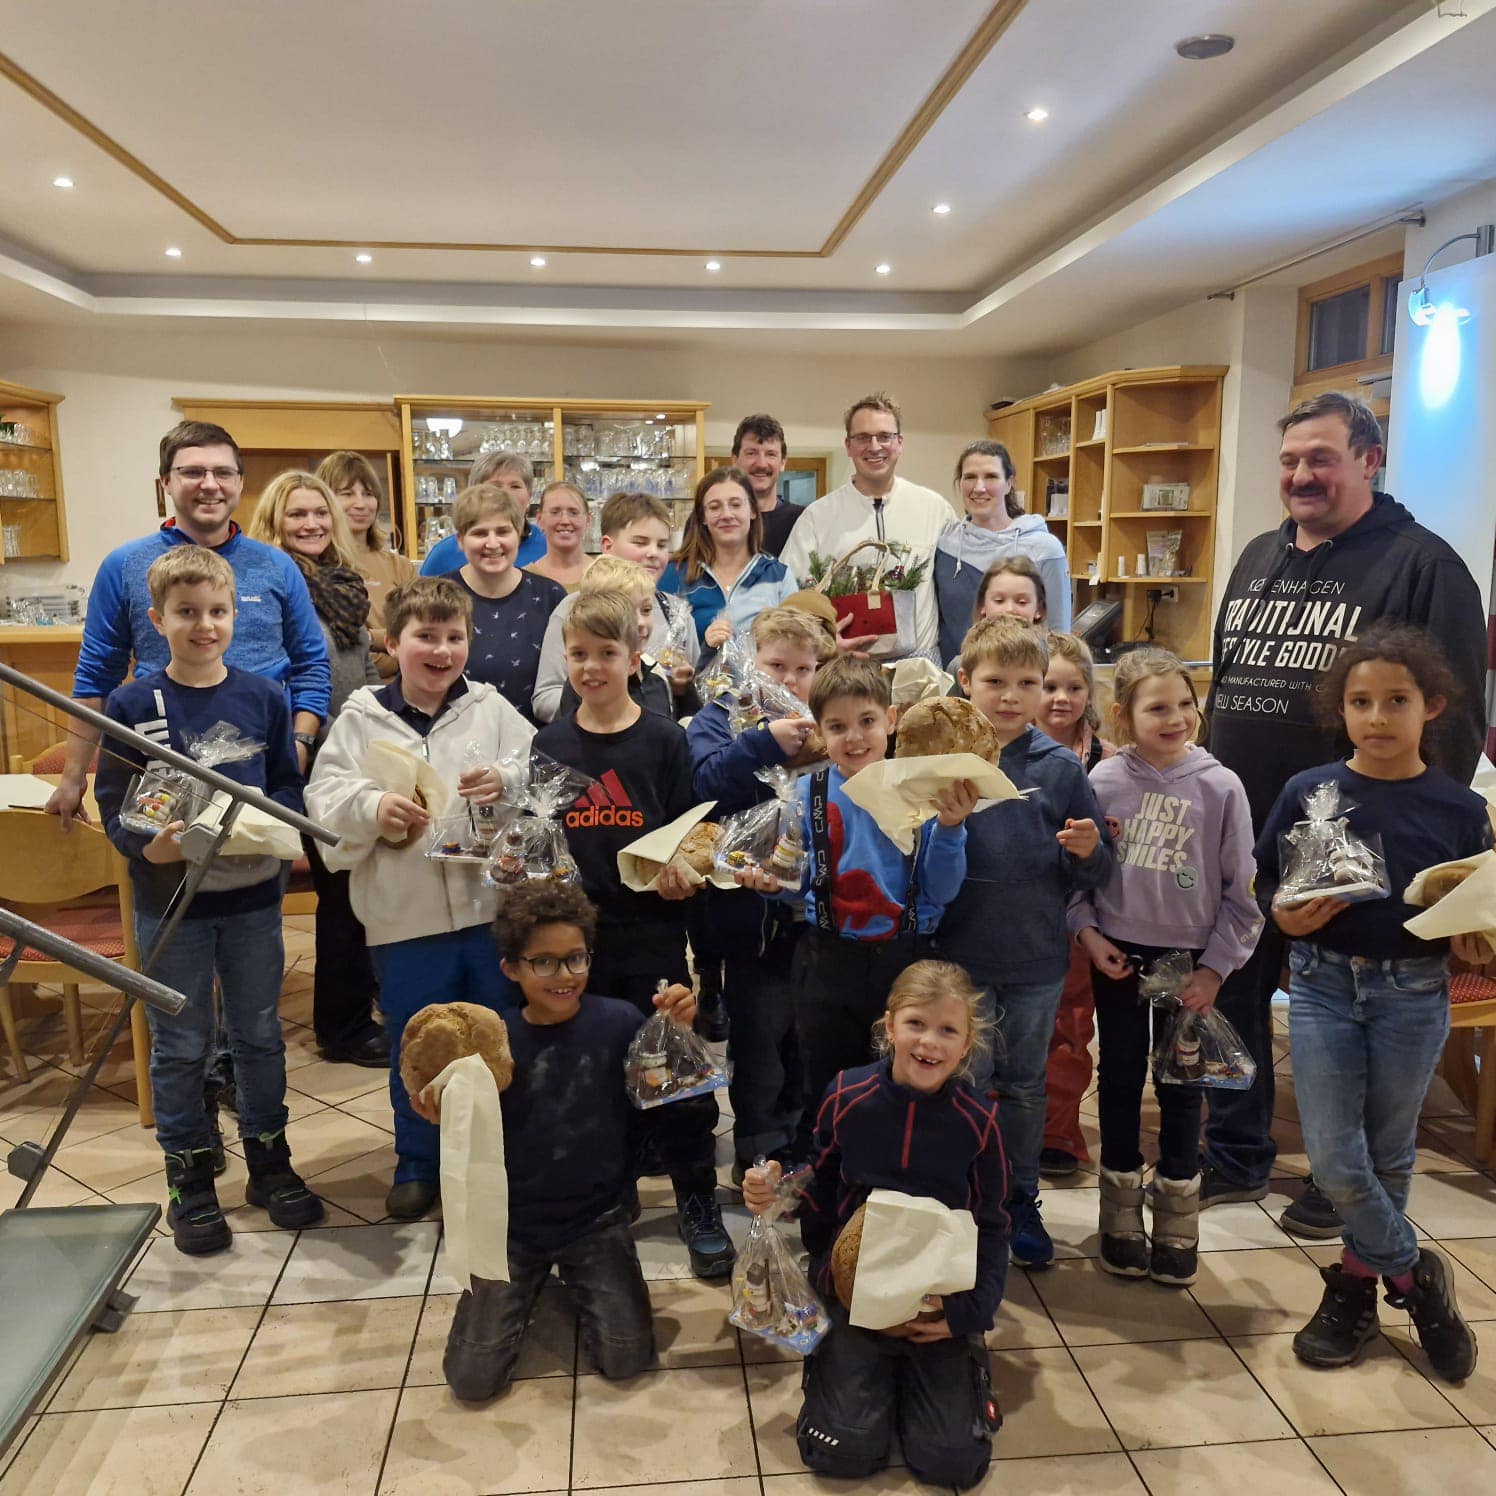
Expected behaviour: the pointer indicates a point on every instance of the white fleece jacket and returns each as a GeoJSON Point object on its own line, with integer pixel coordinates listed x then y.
{"type": "Point", "coordinates": [402, 894]}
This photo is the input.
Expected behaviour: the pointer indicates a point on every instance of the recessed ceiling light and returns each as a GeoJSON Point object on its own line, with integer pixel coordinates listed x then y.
{"type": "Point", "coordinates": [64, 182]}
{"type": "Point", "coordinates": [660, 415]}
{"type": "Point", "coordinates": [538, 261]}
{"type": "Point", "coordinates": [173, 253]}
{"type": "Point", "coordinates": [1038, 114]}
{"type": "Point", "coordinates": [941, 208]}
{"type": "Point", "coordinates": [714, 265]}
{"type": "Point", "coordinates": [1203, 48]}
{"type": "Point", "coordinates": [884, 269]}
{"type": "Point", "coordinates": [364, 259]}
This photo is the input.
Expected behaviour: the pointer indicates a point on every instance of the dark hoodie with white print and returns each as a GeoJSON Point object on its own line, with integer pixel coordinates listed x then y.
{"type": "Point", "coordinates": [1285, 615]}
{"type": "Point", "coordinates": [1184, 860]}
{"type": "Point", "coordinates": [965, 551]}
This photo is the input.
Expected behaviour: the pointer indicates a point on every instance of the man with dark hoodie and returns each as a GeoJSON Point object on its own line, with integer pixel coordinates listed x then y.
{"type": "Point", "coordinates": [1346, 557]}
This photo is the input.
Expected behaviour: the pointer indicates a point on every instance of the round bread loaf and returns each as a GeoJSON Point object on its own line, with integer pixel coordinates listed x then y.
{"type": "Point", "coordinates": [946, 724]}
{"type": "Point", "coordinates": [695, 851]}
{"type": "Point", "coordinates": [444, 1032]}
{"type": "Point", "coordinates": [812, 751]}
{"type": "Point", "coordinates": [844, 1256]}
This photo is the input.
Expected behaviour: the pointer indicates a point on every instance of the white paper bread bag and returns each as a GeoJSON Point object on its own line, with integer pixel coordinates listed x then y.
{"type": "Point", "coordinates": [899, 792]}
{"type": "Point", "coordinates": [660, 845]}
{"type": "Point", "coordinates": [911, 1246]}
{"type": "Point", "coordinates": [475, 1186]}
{"type": "Point", "coordinates": [401, 772]}
{"type": "Point", "coordinates": [1467, 909]}
{"type": "Point", "coordinates": [257, 834]}
{"type": "Point", "coordinates": [914, 679]}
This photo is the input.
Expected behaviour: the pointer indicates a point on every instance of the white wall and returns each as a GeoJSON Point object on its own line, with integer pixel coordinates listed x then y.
{"type": "Point", "coordinates": [119, 384]}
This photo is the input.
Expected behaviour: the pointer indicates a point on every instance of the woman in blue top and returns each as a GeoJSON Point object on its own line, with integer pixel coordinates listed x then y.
{"type": "Point", "coordinates": [726, 576]}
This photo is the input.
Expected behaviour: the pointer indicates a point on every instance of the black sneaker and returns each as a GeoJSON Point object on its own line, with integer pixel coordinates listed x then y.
{"type": "Point", "coordinates": [372, 1052]}
{"type": "Point", "coordinates": [1057, 1163]}
{"type": "Point", "coordinates": [1312, 1215]}
{"type": "Point", "coordinates": [711, 1016]}
{"type": "Point", "coordinates": [275, 1186]}
{"type": "Point", "coordinates": [197, 1224]}
{"type": "Point", "coordinates": [1215, 1189]}
{"type": "Point", "coordinates": [1444, 1336]}
{"type": "Point", "coordinates": [699, 1222]}
{"type": "Point", "coordinates": [1344, 1323]}
{"type": "Point", "coordinates": [411, 1200]}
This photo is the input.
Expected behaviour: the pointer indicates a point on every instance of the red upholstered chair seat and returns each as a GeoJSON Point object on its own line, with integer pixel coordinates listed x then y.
{"type": "Point", "coordinates": [96, 928]}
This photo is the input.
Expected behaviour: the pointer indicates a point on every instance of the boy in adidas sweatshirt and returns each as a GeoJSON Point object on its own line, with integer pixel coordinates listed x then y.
{"type": "Point", "coordinates": [642, 770]}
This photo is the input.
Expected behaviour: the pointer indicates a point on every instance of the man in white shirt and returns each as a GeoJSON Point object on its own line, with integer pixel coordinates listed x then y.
{"type": "Point", "coordinates": [876, 505]}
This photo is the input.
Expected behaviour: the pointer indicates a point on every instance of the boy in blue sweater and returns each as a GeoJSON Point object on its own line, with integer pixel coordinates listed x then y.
{"type": "Point", "coordinates": [870, 911]}
{"type": "Point", "coordinates": [1024, 860]}
{"type": "Point", "coordinates": [570, 1136]}
{"type": "Point", "coordinates": [232, 929]}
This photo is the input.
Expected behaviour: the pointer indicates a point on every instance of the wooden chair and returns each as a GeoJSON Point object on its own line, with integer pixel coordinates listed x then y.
{"type": "Point", "coordinates": [51, 760]}
{"type": "Point", "coordinates": [1469, 1063]}
{"type": "Point", "coordinates": [56, 879]}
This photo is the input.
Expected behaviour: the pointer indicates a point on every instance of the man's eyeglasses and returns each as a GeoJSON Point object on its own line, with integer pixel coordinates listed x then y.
{"type": "Point", "coordinates": [865, 439]}
{"type": "Point", "coordinates": [224, 476]}
{"type": "Point", "coordinates": [547, 966]}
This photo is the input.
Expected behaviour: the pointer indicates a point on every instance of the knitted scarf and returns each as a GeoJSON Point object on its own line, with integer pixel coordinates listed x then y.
{"type": "Point", "coordinates": [340, 598]}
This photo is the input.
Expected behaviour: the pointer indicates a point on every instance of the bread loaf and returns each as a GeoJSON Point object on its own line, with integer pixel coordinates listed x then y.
{"type": "Point", "coordinates": [695, 851]}
{"type": "Point", "coordinates": [444, 1032]}
{"type": "Point", "coordinates": [844, 1256]}
{"type": "Point", "coordinates": [946, 724]}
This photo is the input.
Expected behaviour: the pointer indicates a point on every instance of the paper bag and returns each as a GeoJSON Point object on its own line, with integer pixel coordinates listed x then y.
{"type": "Point", "coordinates": [915, 679]}
{"type": "Point", "coordinates": [475, 1188]}
{"type": "Point", "coordinates": [1469, 909]}
{"type": "Point", "coordinates": [898, 792]}
{"type": "Point", "coordinates": [256, 834]}
{"type": "Point", "coordinates": [911, 1246]}
{"type": "Point", "coordinates": [660, 845]}
{"type": "Point", "coordinates": [402, 772]}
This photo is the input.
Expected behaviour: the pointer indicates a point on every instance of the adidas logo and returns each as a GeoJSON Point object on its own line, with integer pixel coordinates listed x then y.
{"type": "Point", "coordinates": [605, 803]}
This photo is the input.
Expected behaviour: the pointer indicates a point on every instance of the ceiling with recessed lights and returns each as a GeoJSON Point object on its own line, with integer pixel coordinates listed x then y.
{"type": "Point", "coordinates": [1015, 175]}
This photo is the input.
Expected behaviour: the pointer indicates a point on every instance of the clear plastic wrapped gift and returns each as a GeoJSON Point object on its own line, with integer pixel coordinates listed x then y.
{"type": "Point", "coordinates": [1193, 1049]}
{"type": "Point", "coordinates": [675, 651]}
{"type": "Point", "coordinates": [759, 698]}
{"type": "Point", "coordinates": [533, 844]}
{"type": "Point", "coordinates": [668, 1062]}
{"type": "Point", "coordinates": [769, 837]}
{"type": "Point", "coordinates": [771, 1295]}
{"type": "Point", "coordinates": [467, 832]}
{"type": "Point", "coordinates": [1321, 857]}
{"type": "Point", "coordinates": [161, 795]}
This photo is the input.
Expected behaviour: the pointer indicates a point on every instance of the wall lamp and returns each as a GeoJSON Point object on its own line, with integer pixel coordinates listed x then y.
{"type": "Point", "coordinates": [1421, 306]}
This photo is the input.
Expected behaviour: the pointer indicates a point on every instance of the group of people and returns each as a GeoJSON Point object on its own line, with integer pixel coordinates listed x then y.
{"type": "Point", "coordinates": [880, 1036]}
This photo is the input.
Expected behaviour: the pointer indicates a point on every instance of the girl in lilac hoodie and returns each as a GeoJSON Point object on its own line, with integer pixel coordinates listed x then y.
{"type": "Point", "coordinates": [1183, 881]}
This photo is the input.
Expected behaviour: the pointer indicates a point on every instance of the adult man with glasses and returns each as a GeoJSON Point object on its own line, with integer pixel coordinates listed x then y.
{"type": "Point", "coordinates": [876, 505]}
{"type": "Point", "coordinates": [276, 633]}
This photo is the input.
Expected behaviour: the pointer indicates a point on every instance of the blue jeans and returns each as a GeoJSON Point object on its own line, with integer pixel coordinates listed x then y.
{"type": "Point", "coordinates": [246, 953]}
{"type": "Point", "coordinates": [1365, 1038]}
{"type": "Point", "coordinates": [1015, 1067]}
{"type": "Point", "coordinates": [457, 966]}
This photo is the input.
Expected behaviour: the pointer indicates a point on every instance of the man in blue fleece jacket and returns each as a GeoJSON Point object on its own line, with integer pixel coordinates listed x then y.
{"type": "Point", "coordinates": [276, 634]}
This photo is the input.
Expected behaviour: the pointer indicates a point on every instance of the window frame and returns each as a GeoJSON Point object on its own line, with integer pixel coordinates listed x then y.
{"type": "Point", "coordinates": [1373, 275]}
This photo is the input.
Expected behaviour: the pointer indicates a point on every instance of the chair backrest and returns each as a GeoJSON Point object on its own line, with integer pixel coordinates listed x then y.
{"type": "Point", "coordinates": [42, 864]}
{"type": "Point", "coordinates": [51, 760]}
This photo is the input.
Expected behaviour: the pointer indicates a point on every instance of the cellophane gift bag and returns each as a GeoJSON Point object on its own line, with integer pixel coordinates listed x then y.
{"type": "Point", "coordinates": [1193, 1049]}
{"type": "Point", "coordinates": [161, 795]}
{"type": "Point", "coordinates": [769, 837]}
{"type": "Point", "coordinates": [1320, 856]}
{"type": "Point", "coordinates": [771, 1295]}
{"type": "Point", "coordinates": [668, 1062]}
{"type": "Point", "coordinates": [467, 832]}
{"type": "Point", "coordinates": [533, 844]}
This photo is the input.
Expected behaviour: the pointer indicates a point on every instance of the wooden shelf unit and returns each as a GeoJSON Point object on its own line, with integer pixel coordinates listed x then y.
{"type": "Point", "coordinates": [39, 520]}
{"type": "Point", "coordinates": [1160, 425]}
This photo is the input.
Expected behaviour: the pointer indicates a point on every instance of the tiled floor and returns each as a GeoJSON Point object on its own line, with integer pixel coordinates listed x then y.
{"type": "Point", "coordinates": [312, 1362]}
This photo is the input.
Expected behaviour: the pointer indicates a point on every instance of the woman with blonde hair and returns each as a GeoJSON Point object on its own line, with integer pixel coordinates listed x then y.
{"type": "Point", "coordinates": [299, 513]}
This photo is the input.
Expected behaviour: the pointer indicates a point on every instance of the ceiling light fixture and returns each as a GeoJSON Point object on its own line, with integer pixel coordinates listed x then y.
{"type": "Point", "coordinates": [661, 416]}
{"type": "Point", "coordinates": [941, 209]}
{"type": "Point", "coordinates": [1421, 306]}
{"type": "Point", "coordinates": [538, 261]}
{"type": "Point", "coordinates": [1203, 48]}
{"type": "Point", "coordinates": [714, 265]}
{"type": "Point", "coordinates": [364, 259]}
{"type": "Point", "coordinates": [173, 253]}
{"type": "Point", "coordinates": [1037, 115]}
{"type": "Point", "coordinates": [884, 269]}
{"type": "Point", "coordinates": [65, 183]}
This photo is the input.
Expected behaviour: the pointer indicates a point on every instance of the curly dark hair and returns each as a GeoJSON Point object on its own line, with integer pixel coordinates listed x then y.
{"type": "Point", "coordinates": [541, 902]}
{"type": "Point", "coordinates": [1398, 643]}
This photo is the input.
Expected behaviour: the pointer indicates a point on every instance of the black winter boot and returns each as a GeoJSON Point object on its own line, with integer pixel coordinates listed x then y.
{"type": "Point", "coordinates": [276, 1186]}
{"type": "Point", "coordinates": [197, 1224]}
{"type": "Point", "coordinates": [1444, 1336]}
{"type": "Point", "coordinates": [1344, 1323]}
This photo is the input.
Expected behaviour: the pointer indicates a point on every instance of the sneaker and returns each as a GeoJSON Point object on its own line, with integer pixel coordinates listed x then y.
{"type": "Point", "coordinates": [1217, 1190]}
{"type": "Point", "coordinates": [711, 1017]}
{"type": "Point", "coordinates": [1312, 1215]}
{"type": "Point", "coordinates": [1444, 1336]}
{"type": "Point", "coordinates": [1057, 1163]}
{"type": "Point", "coordinates": [1030, 1245]}
{"type": "Point", "coordinates": [197, 1224]}
{"type": "Point", "coordinates": [275, 1186]}
{"type": "Point", "coordinates": [1344, 1323]}
{"type": "Point", "coordinates": [410, 1200]}
{"type": "Point", "coordinates": [699, 1222]}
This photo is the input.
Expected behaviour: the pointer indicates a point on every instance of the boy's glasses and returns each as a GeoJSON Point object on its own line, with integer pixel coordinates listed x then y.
{"type": "Point", "coordinates": [547, 966]}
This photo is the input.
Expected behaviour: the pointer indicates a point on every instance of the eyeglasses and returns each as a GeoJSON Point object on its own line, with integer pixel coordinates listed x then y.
{"type": "Point", "coordinates": [865, 439]}
{"type": "Point", "coordinates": [224, 476]}
{"type": "Point", "coordinates": [547, 966]}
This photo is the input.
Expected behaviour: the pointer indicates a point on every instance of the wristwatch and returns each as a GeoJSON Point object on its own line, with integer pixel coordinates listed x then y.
{"type": "Point", "coordinates": [306, 739]}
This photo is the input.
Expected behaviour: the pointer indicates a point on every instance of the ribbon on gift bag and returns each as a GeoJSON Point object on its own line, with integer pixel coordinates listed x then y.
{"type": "Point", "coordinates": [911, 1246]}
{"type": "Point", "coordinates": [475, 1186]}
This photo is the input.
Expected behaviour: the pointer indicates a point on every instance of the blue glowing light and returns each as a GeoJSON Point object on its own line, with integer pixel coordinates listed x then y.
{"type": "Point", "coordinates": [1439, 359]}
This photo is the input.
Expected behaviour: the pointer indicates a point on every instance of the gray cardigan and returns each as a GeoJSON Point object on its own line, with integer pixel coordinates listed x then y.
{"type": "Point", "coordinates": [351, 668]}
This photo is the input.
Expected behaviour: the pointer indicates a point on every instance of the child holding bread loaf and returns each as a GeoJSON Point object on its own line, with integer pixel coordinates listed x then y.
{"type": "Point", "coordinates": [908, 1122]}
{"type": "Point", "coordinates": [427, 921]}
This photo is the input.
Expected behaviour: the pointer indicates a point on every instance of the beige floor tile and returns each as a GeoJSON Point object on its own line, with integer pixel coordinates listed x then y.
{"type": "Point", "coordinates": [360, 1346]}
{"type": "Point", "coordinates": [119, 1452]}
{"type": "Point", "coordinates": [115, 1158]}
{"type": "Point", "coordinates": [1478, 1256]}
{"type": "Point", "coordinates": [1022, 1319]}
{"type": "Point", "coordinates": [1441, 1101]}
{"type": "Point", "coordinates": [690, 1319]}
{"type": "Point", "coordinates": [326, 1445]}
{"type": "Point", "coordinates": [1490, 1434]}
{"type": "Point", "coordinates": [1439, 1153]}
{"type": "Point", "coordinates": [101, 1112]}
{"type": "Point", "coordinates": [1455, 1134]}
{"type": "Point", "coordinates": [1283, 1466]}
{"type": "Point", "coordinates": [1444, 1205]}
{"type": "Point", "coordinates": [1046, 1406]}
{"type": "Point", "coordinates": [1070, 1217]}
{"type": "Point", "coordinates": [359, 1262]}
{"type": "Point", "coordinates": [519, 1442]}
{"type": "Point", "coordinates": [373, 1107]}
{"type": "Point", "coordinates": [326, 1138]}
{"type": "Point", "coordinates": [1060, 1475]}
{"type": "Point", "coordinates": [1258, 1292]}
{"type": "Point", "coordinates": [1092, 1307]}
{"type": "Point", "coordinates": [1291, 1159]}
{"type": "Point", "coordinates": [178, 1356]}
{"type": "Point", "coordinates": [1244, 1225]}
{"type": "Point", "coordinates": [547, 1350]}
{"type": "Point", "coordinates": [252, 1218]}
{"type": "Point", "coordinates": [1421, 1462]}
{"type": "Point", "coordinates": [664, 1425]}
{"type": "Point", "coordinates": [1382, 1391]}
{"type": "Point", "coordinates": [1475, 1397]}
{"type": "Point", "coordinates": [1180, 1392]}
{"type": "Point", "coordinates": [359, 1185]}
{"type": "Point", "coordinates": [894, 1482]}
{"type": "Point", "coordinates": [239, 1278]}
{"type": "Point", "coordinates": [56, 1188]}
{"type": "Point", "coordinates": [744, 1485]}
{"type": "Point", "coordinates": [334, 1083]}
{"type": "Point", "coordinates": [46, 1091]}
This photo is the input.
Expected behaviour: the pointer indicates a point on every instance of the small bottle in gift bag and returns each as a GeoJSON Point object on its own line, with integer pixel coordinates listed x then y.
{"type": "Point", "coordinates": [673, 652]}
{"type": "Point", "coordinates": [771, 1296]}
{"type": "Point", "coordinates": [468, 831]}
{"type": "Point", "coordinates": [1194, 1049]}
{"type": "Point", "coordinates": [668, 1062]}
{"type": "Point", "coordinates": [1321, 856]}
{"type": "Point", "coordinates": [768, 836]}
{"type": "Point", "coordinates": [158, 797]}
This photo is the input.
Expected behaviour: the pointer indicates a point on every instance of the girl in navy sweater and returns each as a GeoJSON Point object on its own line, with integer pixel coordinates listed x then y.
{"type": "Point", "coordinates": [1369, 1002]}
{"type": "Point", "coordinates": [909, 1122]}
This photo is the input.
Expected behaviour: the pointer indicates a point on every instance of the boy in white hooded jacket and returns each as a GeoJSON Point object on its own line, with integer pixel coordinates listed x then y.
{"type": "Point", "coordinates": [427, 922]}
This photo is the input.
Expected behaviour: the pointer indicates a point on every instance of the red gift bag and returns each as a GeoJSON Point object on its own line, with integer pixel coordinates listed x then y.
{"type": "Point", "coordinates": [881, 611]}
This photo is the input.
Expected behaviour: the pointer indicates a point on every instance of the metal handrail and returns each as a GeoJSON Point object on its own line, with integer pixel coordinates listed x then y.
{"type": "Point", "coordinates": [28, 936]}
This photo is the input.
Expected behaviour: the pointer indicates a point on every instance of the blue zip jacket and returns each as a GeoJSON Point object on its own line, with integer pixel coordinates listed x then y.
{"type": "Point", "coordinates": [765, 584]}
{"type": "Point", "coordinates": [276, 633]}
{"type": "Point", "coordinates": [1019, 879]}
{"type": "Point", "coordinates": [870, 876]}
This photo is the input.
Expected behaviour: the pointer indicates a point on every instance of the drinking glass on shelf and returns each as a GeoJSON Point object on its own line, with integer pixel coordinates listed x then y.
{"type": "Point", "coordinates": [449, 488]}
